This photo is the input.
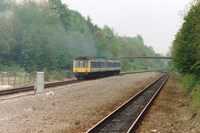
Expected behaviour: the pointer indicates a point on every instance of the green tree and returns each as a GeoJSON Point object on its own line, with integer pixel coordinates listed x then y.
{"type": "Point", "coordinates": [6, 38]}
{"type": "Point", "coordinates": [17, 35]}
{"type": "Point", "coordinates": [93, 28]}
{"type": "Point", "coordinates": [62, 11]}
{"type": "Point", "coordinates": [186, 46]}
{"type": "Point", "coordinates": [42, 35]}
{"type": "Point", "coordinates": [140, 39]}
{"type": "Point", "coordinates": [43, 39]}
{"type": "Point", "coordinates": [103, 45]}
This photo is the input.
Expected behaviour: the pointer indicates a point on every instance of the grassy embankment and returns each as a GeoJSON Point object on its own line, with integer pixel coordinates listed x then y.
{"type": "Point", "coordinates": [191, 86]}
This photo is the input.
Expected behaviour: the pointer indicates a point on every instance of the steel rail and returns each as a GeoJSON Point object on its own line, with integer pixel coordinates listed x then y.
{"type": "Point", "coordinates": [47, 85]}
{"type": "Point", "coordinates": [133, 126]}
{"type": "Point", "coordinates": [31, 88]}
{"type": "Point", "coordinates": [115, 122]}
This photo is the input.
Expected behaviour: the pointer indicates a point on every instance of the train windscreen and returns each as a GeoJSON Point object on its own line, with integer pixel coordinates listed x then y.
{"type": "Point", "coordinates": [81, 64]}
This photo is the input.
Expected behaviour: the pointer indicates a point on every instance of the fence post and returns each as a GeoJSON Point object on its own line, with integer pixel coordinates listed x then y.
{"type": "Point", "coordinates": [29, 78]}
{"type": "Point", "coordinates": [8, 78]}
{"type": "Point", "coordinates": [25, 78]}
{"type": "Point", "coordinates": [15, 78]}
{"type": "Point", "coordinates": [20, 79]}
{"type": "Point", "coordinates": [2, 79]}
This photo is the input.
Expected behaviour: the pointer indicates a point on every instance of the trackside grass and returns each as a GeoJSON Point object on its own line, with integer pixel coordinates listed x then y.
{"type": "Point", "coordinates": [191, 86]}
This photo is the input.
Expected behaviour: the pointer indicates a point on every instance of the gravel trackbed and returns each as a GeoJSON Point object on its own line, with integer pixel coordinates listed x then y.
{"type": "Point", "coordinates": [75, 108]}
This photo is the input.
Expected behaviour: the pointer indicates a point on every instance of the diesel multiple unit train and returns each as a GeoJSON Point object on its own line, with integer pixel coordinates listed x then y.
{"type": "Point", "coordinates": [88, 67]}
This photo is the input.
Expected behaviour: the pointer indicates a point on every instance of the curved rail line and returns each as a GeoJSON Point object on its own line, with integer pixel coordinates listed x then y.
{"type": "Point", "coordinates": [125, 118]}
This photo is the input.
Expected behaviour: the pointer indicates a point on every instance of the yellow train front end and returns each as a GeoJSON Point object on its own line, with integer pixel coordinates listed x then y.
{"type": "Point", "coordinates": [81, 67]}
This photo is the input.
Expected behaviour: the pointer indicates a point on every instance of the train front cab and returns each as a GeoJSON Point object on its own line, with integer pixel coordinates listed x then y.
{"type": "Point", "coordinates": [81, 68]}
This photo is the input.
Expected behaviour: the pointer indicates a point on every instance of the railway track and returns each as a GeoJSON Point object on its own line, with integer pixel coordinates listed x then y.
{"type": "Point", "coordinates": [31, 88]}
{"type": "Point", "coordinates": [126, 117]}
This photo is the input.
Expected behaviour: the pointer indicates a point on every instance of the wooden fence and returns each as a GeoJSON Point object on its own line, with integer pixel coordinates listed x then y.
{"type": "Point", "coordinates": [14, 78]}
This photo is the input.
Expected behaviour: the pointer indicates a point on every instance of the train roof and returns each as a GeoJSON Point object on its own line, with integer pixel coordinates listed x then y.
{"type": "Point", "coordinates": [93, 58]}
{"type": "Point", "coordinates": [86, 58]}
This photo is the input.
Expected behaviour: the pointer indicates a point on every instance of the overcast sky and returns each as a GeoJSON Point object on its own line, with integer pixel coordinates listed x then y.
{"type": "Point", "coordinates": [157, 21]}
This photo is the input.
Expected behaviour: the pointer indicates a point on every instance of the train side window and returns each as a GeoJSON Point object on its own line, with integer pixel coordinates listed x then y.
{"type": "Point", "coordinates": [103, 65]}
{"type": "Point", "coordinates": [95, 64]}
{"type": "Point", "coordinates": [110, 64]}
{"type": "Point", "coordinates": [92, 64]}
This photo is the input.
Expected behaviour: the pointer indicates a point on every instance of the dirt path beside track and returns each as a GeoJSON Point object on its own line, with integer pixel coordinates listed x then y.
{"type": "Point", "coordinates": [170, 112]}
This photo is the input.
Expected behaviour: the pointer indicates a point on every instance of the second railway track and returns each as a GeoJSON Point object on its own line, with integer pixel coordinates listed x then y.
{"type": "Point", "coordinates": [31, 88]}
{"type": "Point", "coordinates": [125, 118]}
{"type": "Point", "coordinates": [47, 85]}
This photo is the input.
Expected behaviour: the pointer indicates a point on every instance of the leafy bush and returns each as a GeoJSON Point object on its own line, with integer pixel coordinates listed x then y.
{"type": "Point", "coordinates": [47, 75]}
{"type": "Point", "coordinates": [56, 74]}
{"type": "Point", "coordinates": [171, 69]}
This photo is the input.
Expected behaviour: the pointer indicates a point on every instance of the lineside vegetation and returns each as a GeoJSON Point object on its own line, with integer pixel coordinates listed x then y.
{"type": "Point", "coordinates": [186, 53]}
{"type": "Point", "coordinates": [47, 35]}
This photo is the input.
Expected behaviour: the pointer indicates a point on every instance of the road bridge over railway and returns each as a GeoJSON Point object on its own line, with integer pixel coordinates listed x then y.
{"type": "Point", "coordinates": [146, 57]}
